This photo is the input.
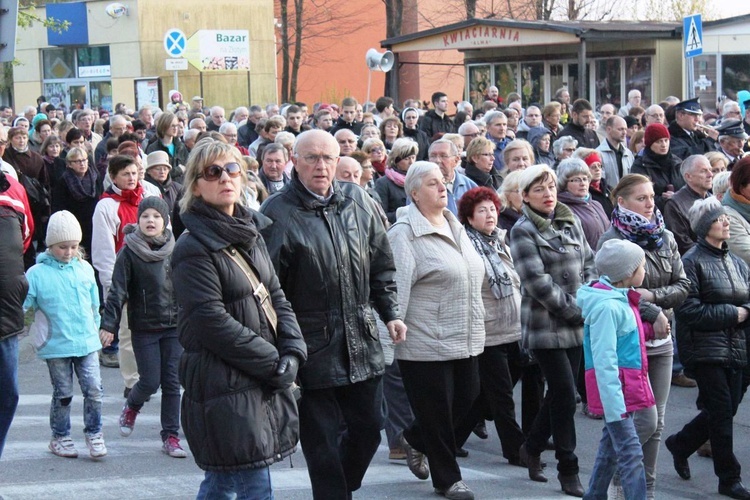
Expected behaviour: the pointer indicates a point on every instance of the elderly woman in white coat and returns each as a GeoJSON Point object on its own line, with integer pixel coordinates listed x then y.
{"type": "Point", "coordinates": [439, 277]}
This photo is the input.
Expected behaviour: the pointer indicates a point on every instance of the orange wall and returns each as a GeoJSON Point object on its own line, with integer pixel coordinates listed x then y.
{"type": "Point", "coordinates": [333, 71]}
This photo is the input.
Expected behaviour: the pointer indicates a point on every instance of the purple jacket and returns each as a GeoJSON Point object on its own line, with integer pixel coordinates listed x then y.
{"type": "Point", "coordinates": [591, 214]}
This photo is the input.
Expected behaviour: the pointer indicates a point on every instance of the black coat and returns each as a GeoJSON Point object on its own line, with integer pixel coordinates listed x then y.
{"type": "Point", "coordinates": [334, 262]}
{"type": "Point", "coordinates": [492, 180]}
{"type": "Point", "coordinates": [683, 145]}
{"type": "Point", "coordinates": [83, 210]}
{"type": "Point", "coordinates": [421, 139]}
{"type": "Point", "coordinates": [13, 284]}
{"type": "Point", "coordinates": [234, 414]}
{"type": "Point", "coordinates": [663, 171]}
{"type": "Point", "coordinates": [170, 190]}
{"type": "Point", "coordinates": [392, 197]}
{"type": "Point", "coordinates": [147, 288]}
{"type": "Point", "coordinates": [432, 124]}
{"type": "Point", "coordinates": [707, 329]}
{"type": "Point", "coordinates": [180, 156]}
{"type": "Point", "coordinates": [586, 138]}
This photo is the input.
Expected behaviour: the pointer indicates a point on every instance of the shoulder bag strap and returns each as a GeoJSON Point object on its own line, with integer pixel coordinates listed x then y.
{"type": "Point", "coordinates": [259, 289]}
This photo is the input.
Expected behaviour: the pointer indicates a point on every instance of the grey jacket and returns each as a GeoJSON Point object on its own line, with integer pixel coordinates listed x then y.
{"type": "Point", "coordinates": [665, 276]}
{"type": "Point", "coordinates": [609, 162]}
{"type": "Point", "coordinates": [439, 283]}
{"type": "Point", "coordinates": [553, 260]}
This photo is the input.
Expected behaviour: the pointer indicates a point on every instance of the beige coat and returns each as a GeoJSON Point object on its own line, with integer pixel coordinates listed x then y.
{"type": "Point", "coordinates": [439, 289]}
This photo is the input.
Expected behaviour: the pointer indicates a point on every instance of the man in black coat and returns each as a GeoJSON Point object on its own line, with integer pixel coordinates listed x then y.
{"type": "Point", "coordinates": [581, 113]}
{"type": "Point", "coordinates": [436, 121]}
{"type": "Point", "coordinates": [335, 265]}
{"type": "Point", "coordinates": [13, 289]}
{"type": "Point", "coordinates": [696, 170]}
{"type": "Point", "coordinates": [687, 138]}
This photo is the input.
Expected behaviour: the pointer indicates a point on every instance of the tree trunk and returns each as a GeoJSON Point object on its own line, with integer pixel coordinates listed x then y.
{"type": "Point", "coordinates": [394, 15]}
{"type": "Point", "coordinates": [284, 50]}
{"type": "Point", "coordinates": [298, 25]}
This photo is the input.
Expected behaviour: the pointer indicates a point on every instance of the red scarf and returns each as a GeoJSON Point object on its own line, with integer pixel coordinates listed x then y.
{"type": "Point", "coordinates": [379, 166]}
{"type": "Point", "coordinates": [127, 211]}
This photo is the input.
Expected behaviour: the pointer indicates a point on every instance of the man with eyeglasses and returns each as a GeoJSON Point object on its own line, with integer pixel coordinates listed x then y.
{"type": "Point", "coordinates": [730, 110]}
{"type": "Point", "coordinates": [347, 141]}
{"type": "Point", "coordinates": [532, 118]}
{"type": "Point", "coordinates": [118, 125]}
{"type": "Point", "coordinates": [616, 157]}
{"type": "Point", "coordinates": [732, 140]}
{"type": "Point", "coordinates": [229, 131]}
{"type": "Point", "coordinates": [469, 131]}
{"type": "Point", "coordinates": [334, 263]}
{"type": "Point", "coordinates": [655, 114]}
{"type": "Point", "coordinates": [445, 154]}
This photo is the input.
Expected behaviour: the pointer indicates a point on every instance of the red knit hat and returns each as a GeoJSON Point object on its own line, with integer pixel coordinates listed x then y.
{"type": "Point", "coordinates": [593, 158]}
{"type": "Point", "coordinates": [654, 132]}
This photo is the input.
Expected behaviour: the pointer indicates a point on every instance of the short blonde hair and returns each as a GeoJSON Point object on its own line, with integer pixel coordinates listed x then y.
{"type": "Point", "coordinates": [517, 144]}
{"type": "Point", "coordinates": [372, 143]}
{"type": "Point", "coordinates": [477, 146]}
{"type": "Point", "coordinates": [509, 185]}
{"type": "Point", "coordinates": [205, 152]}
{"type": "Point", "coordinates": [402, 148]}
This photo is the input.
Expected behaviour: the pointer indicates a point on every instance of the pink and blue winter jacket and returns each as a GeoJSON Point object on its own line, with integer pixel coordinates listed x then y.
{"type": "Point", "coordinates": [614, 350]}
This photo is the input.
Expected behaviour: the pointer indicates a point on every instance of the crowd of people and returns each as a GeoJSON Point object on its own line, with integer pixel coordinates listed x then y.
{"type": "Point", "coordinates": [317, 275]}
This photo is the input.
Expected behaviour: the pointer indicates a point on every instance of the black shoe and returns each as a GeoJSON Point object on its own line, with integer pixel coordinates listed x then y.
{"type": "Point", "coordinates": [736, 490]}
{"type": "Point", "coordinates": [571, 485]}
{"type": "Point", "coordinates": [681, 464]}
{"type": "Point", "coordinates": [481, 430]}
{"type": "Point", "coordinates": [534, 464]}
{"type": "Point", "coordinates": [462, 453]}
{"type": "Point", "coordinates": [416, 460]}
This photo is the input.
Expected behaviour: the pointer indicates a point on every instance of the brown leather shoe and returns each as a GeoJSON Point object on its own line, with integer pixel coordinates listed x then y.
{"type": "Point", "coordinates": [682, 380]}
{"type": "Point", "coordinates": [571, 485]}
{"type": "Point", "coordinates": [534, 464]}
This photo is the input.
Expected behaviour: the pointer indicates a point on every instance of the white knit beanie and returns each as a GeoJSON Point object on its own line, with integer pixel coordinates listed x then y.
{"type": "Point", "coordinates": [63, 226]}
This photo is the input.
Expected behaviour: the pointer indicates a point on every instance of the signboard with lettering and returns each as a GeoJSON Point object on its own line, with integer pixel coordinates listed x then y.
{"type": "Point", "coordinates": [94, 71]}
{"type": "Point", "coordinates": [219, 50]}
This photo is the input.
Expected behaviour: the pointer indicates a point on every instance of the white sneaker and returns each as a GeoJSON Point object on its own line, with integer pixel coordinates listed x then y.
{"type": "Point", "coordinates": [95, 442]}
{"type": "Point", "coordinates": [63, 447]}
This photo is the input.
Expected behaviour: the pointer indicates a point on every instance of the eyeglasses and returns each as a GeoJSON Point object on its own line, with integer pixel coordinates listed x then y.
{"type": "Point", "coordinates": [377, 150]}
{"type": "Point", "coordinates": [723, 219]}
{"type": "Point", "coordinates": [441, 157]}
{"type": "Point", "coordinates": [470, 135]}
{"type": "Point", "coordinates": [214, 172]}
{"type": "Point", "coordinates": [3, 143]}
{"type": "Point", "coordinates": [79, 162]}
{"type": "Point", "coordinates": [487, 155]}
{"type": "Point", "coordinates": [569, 150]}
{"type": "Point", "coordinates": [314, 159]}
{"type": "Point", "coordinates": [580, 180]}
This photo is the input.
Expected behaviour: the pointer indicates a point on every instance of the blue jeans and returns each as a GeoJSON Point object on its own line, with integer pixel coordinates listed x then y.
{"type": "Point", "coordinates": [8, 385]}
{"type": "Point", "coordinates": [619, 450]}
{"type": "Point", "coordinates": [158, 356]}
{"type": "Point", "coordinates": [61, 374]}
{"type": "Point", "coordinates": [246, 484]}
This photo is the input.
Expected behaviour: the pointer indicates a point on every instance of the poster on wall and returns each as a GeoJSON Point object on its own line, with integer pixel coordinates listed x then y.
{"type": "Point", "coordinates": [147, 91]}
{"type": "Point", "coordinates": [56, 93]}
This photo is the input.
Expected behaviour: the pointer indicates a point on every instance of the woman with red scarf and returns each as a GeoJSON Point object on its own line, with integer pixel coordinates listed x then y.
{"type": "Point", "coordinates": [117, 208]}
{"type": "Point", "coordinates": [598, 188]}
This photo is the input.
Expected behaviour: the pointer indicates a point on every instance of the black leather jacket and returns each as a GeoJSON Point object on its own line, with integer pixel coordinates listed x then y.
{"type": "Point", "coordinates": [333, 260]}
{"type": "Point", "coordinates": [234, 413]}
{"type": "Point", "coordinates": [707, 329]}
{"type": "Point", "coordinates": [13, 284]}
{"type": "Point", "coordinates": [683, 145]}
{"type": "Point", "coordinates": [147, 288]}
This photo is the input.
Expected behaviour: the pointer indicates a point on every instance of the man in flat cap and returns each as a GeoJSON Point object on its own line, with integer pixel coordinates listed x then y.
{"type": "Point", "coordinates": [732, 140]}
{"type": "Point", "coordinates": [687, 138]}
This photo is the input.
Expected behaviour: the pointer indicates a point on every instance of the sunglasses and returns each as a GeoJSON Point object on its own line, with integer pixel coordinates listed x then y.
{"type": "Point", "coordinates": [214, 172]}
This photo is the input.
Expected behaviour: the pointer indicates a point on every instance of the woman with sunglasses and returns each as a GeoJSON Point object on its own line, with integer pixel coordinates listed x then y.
{"type": "Point", "coordinates": [239, 414]}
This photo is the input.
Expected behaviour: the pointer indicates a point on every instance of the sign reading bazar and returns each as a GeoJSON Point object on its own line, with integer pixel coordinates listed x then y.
{"type": "Point", "coordinates": [219, 50]}
{"type": "Point", "coordinates": [482, 36]}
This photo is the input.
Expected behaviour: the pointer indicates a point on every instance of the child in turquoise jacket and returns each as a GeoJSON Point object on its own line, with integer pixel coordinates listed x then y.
{"type": "Point", "coordinates": [616, 366]}
{"type": "Point", "coordinates": [65, 298]}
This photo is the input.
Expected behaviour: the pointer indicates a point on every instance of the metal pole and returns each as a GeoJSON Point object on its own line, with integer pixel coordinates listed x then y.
{"type": "Point", "coordinates": [690, 78]}
{"type": "Point", "coordinates": [582, 70]}
{"type": "Point", "coordinates": [369, 82]}
{"type": "Point", "coordinates": [176, 82]}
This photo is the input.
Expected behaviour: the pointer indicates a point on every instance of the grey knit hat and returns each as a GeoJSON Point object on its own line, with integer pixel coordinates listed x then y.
{"type": "Point", "coordinates": [703, 214]}
{"type": "Point", "coordinates": [157, 204]}
{"type": "Point", "coordinates": [618, 259]}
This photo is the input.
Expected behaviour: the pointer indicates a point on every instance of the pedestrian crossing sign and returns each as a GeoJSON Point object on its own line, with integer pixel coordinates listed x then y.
{"type": "Point", "coordinates": [692, 35]}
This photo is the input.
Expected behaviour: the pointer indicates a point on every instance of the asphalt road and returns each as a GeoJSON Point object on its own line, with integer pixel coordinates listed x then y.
{"type": "Point", "coordinates": [136, 468]}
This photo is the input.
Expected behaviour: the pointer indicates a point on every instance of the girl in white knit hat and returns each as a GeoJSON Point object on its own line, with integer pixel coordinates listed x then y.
{"type": "Point", "coordinates": [64, 295]}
